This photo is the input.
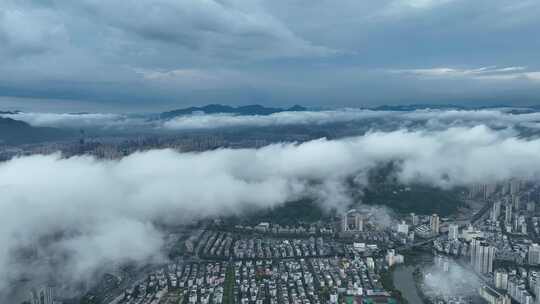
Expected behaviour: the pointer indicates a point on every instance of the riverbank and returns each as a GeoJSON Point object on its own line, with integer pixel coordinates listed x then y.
{"type": "Point", "coordinates": [402, 281]}
{"type": "Point", "coordinates": [387, 280]}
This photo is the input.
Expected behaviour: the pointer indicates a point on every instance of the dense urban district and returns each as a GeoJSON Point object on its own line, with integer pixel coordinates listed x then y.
{"type": "Point", "coordinates": [475, 244]}
{"type": "Point", "coordinates": [487, 252]}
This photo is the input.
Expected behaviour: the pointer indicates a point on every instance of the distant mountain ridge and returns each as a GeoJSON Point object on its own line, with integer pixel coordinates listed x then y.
{"type": "Point", "coordinates": [9, 112]}
{"type": "Point", "coordinates": [19, 132]}
{"type": "Point", "coordinates": [256, 109]}
{"type": "Point", "coordinates": [224, 109]}
{"type": "Point", "coordinates": [414, 107]}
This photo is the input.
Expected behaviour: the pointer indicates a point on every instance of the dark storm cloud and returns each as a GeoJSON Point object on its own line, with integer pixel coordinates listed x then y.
{"type": "Point", "coordinates": [165, 53]}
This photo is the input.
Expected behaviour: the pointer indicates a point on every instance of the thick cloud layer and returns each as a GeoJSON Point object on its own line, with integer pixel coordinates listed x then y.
{"type": "Point", "coordinates": [430, 118]}
{"type": "Point", "coordinates": [93, 213]}
{"type": "Point", "coordinates": [196, 121]}
{"type": "Point", "coordinates": [77, 120]}
{"type": "Point", "coordinates": [277, 119]}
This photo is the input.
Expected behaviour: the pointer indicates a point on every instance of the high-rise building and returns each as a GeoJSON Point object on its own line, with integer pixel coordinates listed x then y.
{"type": "Point", "coordinates": [434, 224]}
{"type": "Point", "coordinates": [393, 258]}
{"type": "Point", "coordinates": [524, 228]}
{"type": "Point", "coordinates": [495, 211]}
{"type": "Point", "coordinates": [505, 188]}
{"type": "Point", "coordinates": [536, 290]}
{"type": "Point", "coordinates": [370, 263]}
{"type": "Point", "coordinates": [515, 185]}
{"type": "Point", "coordinates": [533, 257]}
{"type": "Point", "coordinates": [358, 222]}
{"type": "Point", "coordinates": [352, 221]}
{"type": "Point", "coordinates": [473, 248]}
{"type": "Point", "coordinates": [520, 224]}
{"type": "Point", "coordinates": [492, 296]}
{"type": "Point", "coordinates": [344, 223]}
{"type": "Point", "coordinates": [488, 255]}
{"type": "Point", "coordinates": [508, 214]}
{"type": "Point", "coordinates": [482, 255]}
{"type": "Point", "coordinates": [414, 219]}
{"type": "Point", "coordinates": [501, 279]}
{"type": "Point", "coordinates": [531, 206]}
{"type": "Point", "coordinates": [475, 190]}
{"type": "Point", "coordinates": [489, 190]}
{"type": "Point", "coordinates": [403, 228]}
{"type": "Point", "coordinates": [43, 295]}
{"type": "Point", "coordinates": [453, 232]}
{"type": "Point", "coordinates": [516, 201]}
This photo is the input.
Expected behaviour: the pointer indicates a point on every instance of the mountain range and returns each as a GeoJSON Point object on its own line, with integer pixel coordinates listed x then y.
{"type": "Point", "coordinates": [224, 109]}
{"type": "Point", "coordinates": [18, 132]}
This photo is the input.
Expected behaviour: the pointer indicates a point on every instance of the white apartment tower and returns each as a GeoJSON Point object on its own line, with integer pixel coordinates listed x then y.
{"type": "Point", "coordinates": [453, 232]}
{"type": "Point", "coordinates": [435, 224]}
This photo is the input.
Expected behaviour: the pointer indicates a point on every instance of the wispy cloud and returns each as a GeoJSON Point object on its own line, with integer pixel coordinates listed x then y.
{"type": "Point", "coordinates": [482, 73]}
{"type": "Point", "coordinates": [194, 74]}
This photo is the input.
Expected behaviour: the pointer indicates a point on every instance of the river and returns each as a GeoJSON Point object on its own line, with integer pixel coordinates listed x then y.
{"type": "Point", "coordinates": [404, 282]}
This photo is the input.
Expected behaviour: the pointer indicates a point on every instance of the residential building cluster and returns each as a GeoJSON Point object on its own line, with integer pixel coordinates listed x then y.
{"type": "Point", "coordinates": [261, 281]}
{"type": "Point", "coordinates": [177, 283]}
{"type": "Point", "coordinates": [276, 229]}
{"type": "Point", "coordinates": [225, 245]}
{"type": "Point", "coordinates": [521, 284]}
{"type": "Point", "coordinates": [318, 280]}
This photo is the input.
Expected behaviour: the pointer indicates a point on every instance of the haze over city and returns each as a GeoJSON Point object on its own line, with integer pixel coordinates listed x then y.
{"type": "Point", "coordinates": [261, 152]}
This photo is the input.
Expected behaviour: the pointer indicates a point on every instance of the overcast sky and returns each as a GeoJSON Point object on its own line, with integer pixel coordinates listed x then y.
{"type": "Point", "coordinates": [102, 55]}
